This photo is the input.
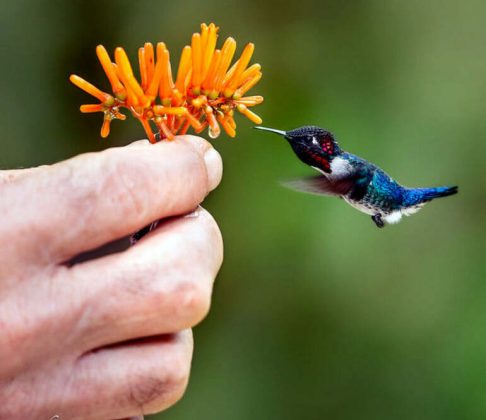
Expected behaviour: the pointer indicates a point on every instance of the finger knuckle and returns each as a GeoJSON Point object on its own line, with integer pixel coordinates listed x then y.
{"type": "Point", "coordinates": [193, 299]}
{"type": "Point", "coordinates": [161, 388]}
{"type": "Point", "coordinates": [177, 373]}
{"type": "Point", "coordinates": [182, 292]}
{"type": "Point", "coordinates": [147, 391]}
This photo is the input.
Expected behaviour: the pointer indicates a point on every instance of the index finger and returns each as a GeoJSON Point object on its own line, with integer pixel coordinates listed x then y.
{"type": "Point", "coordinates": [92, 199]}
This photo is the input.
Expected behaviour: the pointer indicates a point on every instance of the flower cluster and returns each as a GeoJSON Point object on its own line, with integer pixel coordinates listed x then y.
{"type": "Point", "coordinates": [205, 92]}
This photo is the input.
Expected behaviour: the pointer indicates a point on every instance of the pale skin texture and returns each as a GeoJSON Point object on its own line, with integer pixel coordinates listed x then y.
{"type": "Point", "coordinates": [107, 338]}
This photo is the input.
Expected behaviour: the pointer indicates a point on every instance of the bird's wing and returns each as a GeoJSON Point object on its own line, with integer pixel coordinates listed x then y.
{"type": "Point", "coordinates": [320, 185]}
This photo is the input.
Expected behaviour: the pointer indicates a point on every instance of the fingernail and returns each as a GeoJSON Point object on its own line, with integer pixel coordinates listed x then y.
{"type": "Point", "coordinates": [194, 213]}
{"type": "Point", "coordinates": [214, 166]}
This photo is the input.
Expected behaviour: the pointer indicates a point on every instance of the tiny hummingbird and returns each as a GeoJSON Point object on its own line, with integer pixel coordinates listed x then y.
{"type": "Point", "coordinates": [360, 183]}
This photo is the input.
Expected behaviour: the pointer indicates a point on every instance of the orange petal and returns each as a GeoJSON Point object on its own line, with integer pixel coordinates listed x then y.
{"type": "Point", "coordinates": [91, 108]}
{"type": "Point", "coordinates": [107, 65]}
{"type": "Point", "coordinates": [204, 35]}
{"type": "Point", "coordinates": [193, 121]}
{"type": "Point", "coordinates": [247, 86]}
{"type": "Point", "coordinates": [208, 83]}
{"type": "Point", "coordinates": [143, 68]}
{"type": "Point", "coordinates": [166, 83]}
{"type": "Point", "coordinates": [187, 81]}
{"type": "Point", "coordinates": [149, 61]}
{"type": "Point", "coordinates": [250, 100]}
{"type": "Point", "coordinates": [105, 128]}
{"type": "Point", "coordinates": [249, 73]}
{"type": "Point", "coordinates": [91, 89]}
{"type": "Point", "coordinates": [230, 73]}
{"type": "Point", "coordinates": [177, 98]}
{"type": "Point", "coordinates": [163, 110]}
{"type": "Point", "coordinates": [153, 89]}
{"type": "Point", "coordinates": [196, 60]}
{"type": "Point", "coordinates": [249, 114]}
{"type": "Point", "coordinates": [184, 68]}
{"type": "Point", "coordinates": [242, 63]}
{"type": "Point", "coordinates": [132, 99]}
{"type": "Point", "coordinates": [208, 50]}
{"type": "Point", "coordinates": [227, 126]}
{"type": "Point", "coordinates": [127, 76]}
{"type": "Point", "coordinates": [227, 52]}
{"type": "Point", "coordinates": [231, 122]}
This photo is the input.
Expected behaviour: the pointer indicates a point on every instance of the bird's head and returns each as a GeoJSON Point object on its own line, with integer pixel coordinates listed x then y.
{"type": "Point", "coordinates": [313, 145]}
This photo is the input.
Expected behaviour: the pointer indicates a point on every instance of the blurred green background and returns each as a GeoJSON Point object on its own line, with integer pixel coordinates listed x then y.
{"type": "Point", "coordinates": [316, 313]}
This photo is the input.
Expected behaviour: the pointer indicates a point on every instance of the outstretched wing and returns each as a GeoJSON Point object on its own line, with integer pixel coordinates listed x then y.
{"type": "Point", "coordinates": [320, 185]}
{"type": "Point", "coordinates": [353, 183]}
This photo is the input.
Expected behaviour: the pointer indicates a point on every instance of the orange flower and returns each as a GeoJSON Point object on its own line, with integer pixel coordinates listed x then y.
{"type": "Point", "coordinates": [205, 92]}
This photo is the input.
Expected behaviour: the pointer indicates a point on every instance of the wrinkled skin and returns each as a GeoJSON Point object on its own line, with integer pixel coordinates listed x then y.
{"type": "Point", "coordinates": [109, 337]}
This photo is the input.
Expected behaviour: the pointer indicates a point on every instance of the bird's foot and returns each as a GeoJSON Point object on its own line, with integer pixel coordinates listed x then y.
{"type": "Point", "coordinates": [378, 220]}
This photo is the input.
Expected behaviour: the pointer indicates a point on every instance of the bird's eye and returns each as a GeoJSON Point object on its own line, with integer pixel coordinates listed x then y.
{"type": "Point", "coordinates": [315, 142]}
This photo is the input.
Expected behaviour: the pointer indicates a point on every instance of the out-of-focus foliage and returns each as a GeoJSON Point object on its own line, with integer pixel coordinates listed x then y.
{"type": "Point", "coordinates": [316, 312]}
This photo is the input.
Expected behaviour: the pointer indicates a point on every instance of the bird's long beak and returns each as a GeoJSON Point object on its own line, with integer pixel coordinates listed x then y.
{"type": "Point", "coordinates": [272, 130]}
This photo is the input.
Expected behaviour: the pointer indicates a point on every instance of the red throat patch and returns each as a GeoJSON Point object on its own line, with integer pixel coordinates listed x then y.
{"type": "Point", "coordinates": [320, 162]}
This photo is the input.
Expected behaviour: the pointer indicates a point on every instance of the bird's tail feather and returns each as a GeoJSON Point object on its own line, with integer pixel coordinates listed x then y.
{"type": "Point", "coordinates": [422, 195]}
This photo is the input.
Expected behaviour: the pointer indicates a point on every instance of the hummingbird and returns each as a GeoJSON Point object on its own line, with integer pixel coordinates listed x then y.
{"type": "Point", "coordinates": [360, 183]}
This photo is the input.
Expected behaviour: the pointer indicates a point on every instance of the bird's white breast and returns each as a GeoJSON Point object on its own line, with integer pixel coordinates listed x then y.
{"type": "Point", "coordinates": [340, 167]}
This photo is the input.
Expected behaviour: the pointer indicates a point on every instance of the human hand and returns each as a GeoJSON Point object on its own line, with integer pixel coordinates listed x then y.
{"type": "Point", "coordinates": [110, 337]}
